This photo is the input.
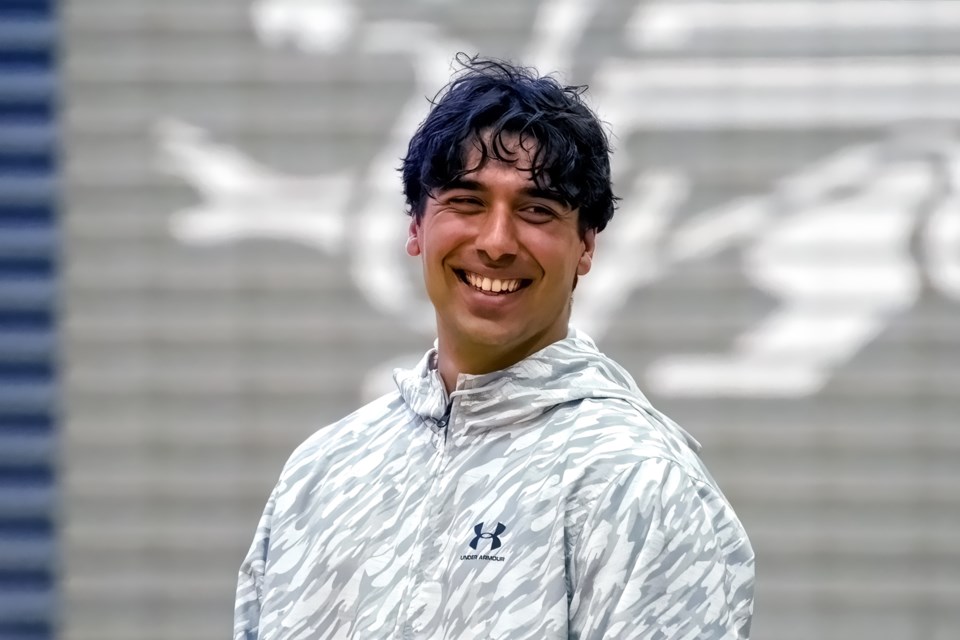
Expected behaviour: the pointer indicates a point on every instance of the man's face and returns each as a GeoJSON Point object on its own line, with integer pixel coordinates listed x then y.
{"type": "Point", "coordinates": [500, 258]}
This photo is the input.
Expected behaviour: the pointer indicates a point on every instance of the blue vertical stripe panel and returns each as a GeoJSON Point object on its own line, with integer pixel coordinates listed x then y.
{"type": "Point", "coordinates": [28, 9]}
{"type": "Point", "coordinates": [28, 296]}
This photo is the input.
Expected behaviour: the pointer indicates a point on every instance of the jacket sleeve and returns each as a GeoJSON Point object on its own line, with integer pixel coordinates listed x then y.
{"type": "Point", "coordinates": [246, 613]}
{"type": "Point", "coordinates": [661, 556]}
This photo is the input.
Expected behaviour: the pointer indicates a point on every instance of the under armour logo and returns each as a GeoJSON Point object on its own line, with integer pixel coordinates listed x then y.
{"type": "Point", "coordinates": [495, 536]}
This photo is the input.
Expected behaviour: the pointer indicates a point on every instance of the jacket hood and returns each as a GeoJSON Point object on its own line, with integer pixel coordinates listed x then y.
{"type": "Point", "coordinates": [568, 370]}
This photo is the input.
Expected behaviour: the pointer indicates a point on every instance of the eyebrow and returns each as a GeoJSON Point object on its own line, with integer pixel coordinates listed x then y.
{"type": "Point", "coordinates": [533, 192]}
{"type": "Point", "coordinates": [461, 183]}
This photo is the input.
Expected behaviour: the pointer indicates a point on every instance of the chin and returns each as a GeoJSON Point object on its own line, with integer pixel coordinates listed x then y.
{"type": "Point", "coordinates": [505, 340]}
{"type": "Point", "coordinates": [493, 336]}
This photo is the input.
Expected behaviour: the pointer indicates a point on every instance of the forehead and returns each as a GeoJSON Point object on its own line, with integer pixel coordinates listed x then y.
{"type": "Point", "coordinates": [509, 153]}
{"type": "Point", "coordinates": [507, 147]}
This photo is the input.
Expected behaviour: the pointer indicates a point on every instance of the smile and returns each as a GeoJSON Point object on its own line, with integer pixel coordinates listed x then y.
{"type": "Point", "coordinates": [490, 285]}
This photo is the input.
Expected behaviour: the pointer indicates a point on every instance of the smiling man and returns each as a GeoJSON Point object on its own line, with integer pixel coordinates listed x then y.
{"type": "Point", "coordinates": [517, 485]}
{"type": "Point", "coordinates": [500, 255]}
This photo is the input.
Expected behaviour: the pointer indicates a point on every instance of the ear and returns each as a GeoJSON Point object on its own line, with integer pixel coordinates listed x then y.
{"type": "Point", "coordinates": [413, 238]}
{"type": "Point", "coordinates": [586, 258]}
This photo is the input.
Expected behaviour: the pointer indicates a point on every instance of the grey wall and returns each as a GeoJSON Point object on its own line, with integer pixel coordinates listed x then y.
{"type": "Point", "coordinates": [783, 275]}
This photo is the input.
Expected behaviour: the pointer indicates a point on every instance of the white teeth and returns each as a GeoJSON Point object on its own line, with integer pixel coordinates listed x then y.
{"type": "Point", "coordinates": [493, 285]}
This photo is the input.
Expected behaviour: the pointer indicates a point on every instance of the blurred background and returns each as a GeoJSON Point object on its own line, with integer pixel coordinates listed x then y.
{"type": "Point", "coordinates": [201, 262]}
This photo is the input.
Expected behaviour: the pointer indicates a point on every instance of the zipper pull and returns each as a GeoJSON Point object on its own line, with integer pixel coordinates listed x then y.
{"type": "Point", "coordinates": [442, 422]}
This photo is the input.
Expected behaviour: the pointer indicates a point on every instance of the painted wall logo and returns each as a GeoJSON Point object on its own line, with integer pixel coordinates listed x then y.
{"type": "Point", "coordinates": [494, 537]}
{"type": "Point", "coordinates": [842, 245]}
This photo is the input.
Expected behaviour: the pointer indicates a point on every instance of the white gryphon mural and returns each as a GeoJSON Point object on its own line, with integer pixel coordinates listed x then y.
{"type": "Point", "coordinates": [834, 243]}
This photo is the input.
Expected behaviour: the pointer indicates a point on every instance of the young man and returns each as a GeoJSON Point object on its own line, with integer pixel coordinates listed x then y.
{"type": "Point", "coordinates": [517, 485]}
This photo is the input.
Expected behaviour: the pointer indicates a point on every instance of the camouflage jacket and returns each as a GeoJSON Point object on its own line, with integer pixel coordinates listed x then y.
{"type": "Point", "coordinates": [545, 501]}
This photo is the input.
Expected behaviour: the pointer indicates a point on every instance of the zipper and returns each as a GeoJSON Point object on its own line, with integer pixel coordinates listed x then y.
{"type": "Point", "coordinates": [404, 626]}
{"type": "Point", "coordinates": [442, 424]}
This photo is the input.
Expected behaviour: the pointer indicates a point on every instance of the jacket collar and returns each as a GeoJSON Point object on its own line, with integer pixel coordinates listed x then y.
{"type": "Point", "coordinates": [568, 370]}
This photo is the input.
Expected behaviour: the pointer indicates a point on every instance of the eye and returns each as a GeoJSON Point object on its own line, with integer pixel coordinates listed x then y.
{"type": "Point", "coordinates": [465, 203]}
{"type": "Point", "coordinates": [538, 213]}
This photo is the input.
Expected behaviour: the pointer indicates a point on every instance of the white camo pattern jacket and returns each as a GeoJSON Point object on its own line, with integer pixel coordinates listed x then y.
{"type": "Point", "coordinates": [545, 501]}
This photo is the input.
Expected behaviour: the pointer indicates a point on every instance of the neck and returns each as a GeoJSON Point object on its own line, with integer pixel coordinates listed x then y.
{"type": "Point", "coordinates": [455, 357]}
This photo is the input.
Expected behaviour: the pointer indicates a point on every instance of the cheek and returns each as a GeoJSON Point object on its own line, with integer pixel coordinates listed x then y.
{"type": "Point", "coordinates": [438, 235]}
{"type": "Point", "coordinates": [558, 258]}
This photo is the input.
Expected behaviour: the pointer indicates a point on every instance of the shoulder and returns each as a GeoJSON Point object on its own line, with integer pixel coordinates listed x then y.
{"type": "Point", "coordinates": [622, 434]}
{"type": "Point", "coordinates": [335, 454]}
{"type": "Point", "coordinates": [665, 491]}
{"type": "Point", "coordinates": [619, 453]}
{"type": "Point", "coordinates": [350, 434]}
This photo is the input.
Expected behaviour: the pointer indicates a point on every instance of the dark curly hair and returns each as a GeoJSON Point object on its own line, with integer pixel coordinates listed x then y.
{"type": "Point", "coordinates": [489, 99]}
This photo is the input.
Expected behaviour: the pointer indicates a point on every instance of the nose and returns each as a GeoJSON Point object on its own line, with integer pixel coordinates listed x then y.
{"type": "Point", "coordinates": [497, 239]}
